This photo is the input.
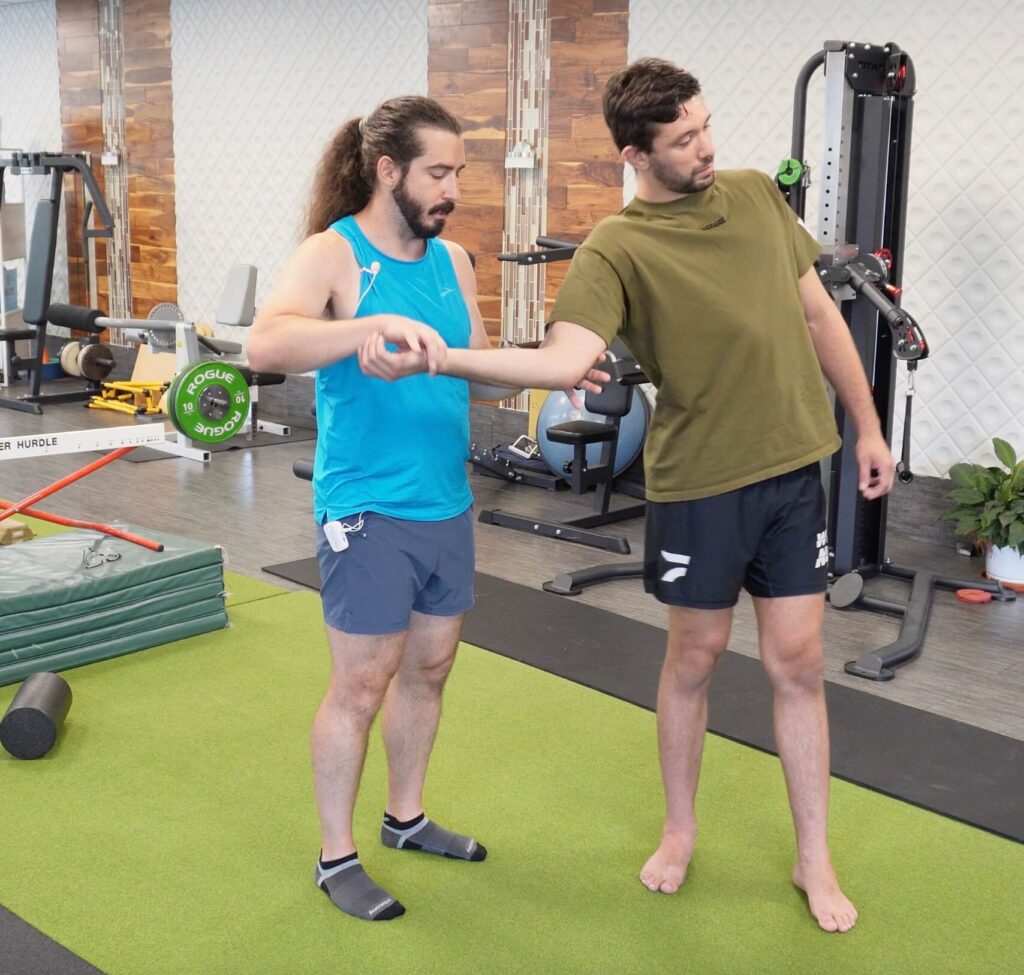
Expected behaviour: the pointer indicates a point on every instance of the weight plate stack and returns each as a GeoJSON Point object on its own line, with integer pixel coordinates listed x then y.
{"type": "Point", "coordinates": [95, 361]}
{"type": "Point", "coordinates": [69, 358]}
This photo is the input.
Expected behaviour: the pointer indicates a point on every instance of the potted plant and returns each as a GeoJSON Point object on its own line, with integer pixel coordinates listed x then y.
{"type": "Point", "coordinates": [989, 508]}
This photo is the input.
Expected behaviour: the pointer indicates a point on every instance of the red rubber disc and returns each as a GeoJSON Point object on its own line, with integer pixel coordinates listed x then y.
{"type": "Point", "coordinates": [1014, 586]}
{"type": "Point", "coordinates": [973, 595]}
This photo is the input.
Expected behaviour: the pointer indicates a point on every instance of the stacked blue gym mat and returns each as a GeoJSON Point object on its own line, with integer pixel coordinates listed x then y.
{"type": "Point", "coordinates": [82, 596]}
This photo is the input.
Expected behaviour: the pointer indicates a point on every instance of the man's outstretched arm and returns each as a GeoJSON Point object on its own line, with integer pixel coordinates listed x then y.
{"type": "Point", "coordinates": [567, 358]}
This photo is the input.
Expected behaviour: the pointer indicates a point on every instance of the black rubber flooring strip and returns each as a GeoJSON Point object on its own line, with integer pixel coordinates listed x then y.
{"type": "Point", "coordinates": [946, 766]}
{"type": "Point", "coordinates": [306, 572]}
{"type": "Point", "coordinates": [26, 951]}
{"type": "Point", "coordinates": [942, 765]}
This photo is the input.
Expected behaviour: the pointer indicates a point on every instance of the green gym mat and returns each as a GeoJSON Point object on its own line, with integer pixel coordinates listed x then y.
{"type": "Point", "coordinates": [56, 614]}
{"type": "Point", "coordinates": [240, 589]}
{"type": "Point", "coordinates": [172, 830]}
{"type": "Point", "coordinates": [75, 597]}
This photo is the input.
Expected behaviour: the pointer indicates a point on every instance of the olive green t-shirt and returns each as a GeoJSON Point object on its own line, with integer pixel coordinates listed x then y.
{"type": "Point", "coordinates": [703, 291]}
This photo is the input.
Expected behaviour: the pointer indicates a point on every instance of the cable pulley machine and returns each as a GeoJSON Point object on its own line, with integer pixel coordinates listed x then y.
{"type": "Point", "coordinates": [869, 91]}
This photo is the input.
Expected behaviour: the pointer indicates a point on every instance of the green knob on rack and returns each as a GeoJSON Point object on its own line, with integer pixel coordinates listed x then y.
{"type": "Point", "coordinates": [790, 172]}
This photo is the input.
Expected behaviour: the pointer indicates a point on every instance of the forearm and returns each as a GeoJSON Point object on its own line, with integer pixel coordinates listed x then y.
{"type": "Point", "coordinates": [294, 343]}
{"type": "Point", "coordinates": [542, 368]}
{"type": "Point", "coordinates": [841, 365]}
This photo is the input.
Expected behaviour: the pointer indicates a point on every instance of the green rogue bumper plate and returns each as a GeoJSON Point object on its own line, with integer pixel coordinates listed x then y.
{"type": "Point", "coordinates": [208, 401]}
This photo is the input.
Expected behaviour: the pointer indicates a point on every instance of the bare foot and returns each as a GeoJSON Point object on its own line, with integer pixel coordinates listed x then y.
{"type": "Point", "coordinates": [829, 905]}
{"type": "Point", "coordinates": [665, 871]}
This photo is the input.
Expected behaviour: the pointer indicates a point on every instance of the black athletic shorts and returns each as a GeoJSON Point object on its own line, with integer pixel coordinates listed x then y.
{"type": "Point", "coordinates": [768, 538]}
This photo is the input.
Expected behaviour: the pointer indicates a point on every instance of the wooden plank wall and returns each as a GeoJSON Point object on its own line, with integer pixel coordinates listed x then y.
{"type": "Point", "coordinates": [148, 135]}
{"type": "Point", "coordinates": [588, 45]}
{"type": "Point", "coordinates": [467, 73]}
{"type": "Point", "coordinates": [81, 117]}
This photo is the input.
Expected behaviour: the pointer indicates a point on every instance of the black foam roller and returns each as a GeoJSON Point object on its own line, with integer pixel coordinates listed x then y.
{"type": "Point", "coordinates": [303, 468]}
{"type": "Point", "coordinates": [29, 727]}
{"type": "Point", "coordinates": [75, 316]}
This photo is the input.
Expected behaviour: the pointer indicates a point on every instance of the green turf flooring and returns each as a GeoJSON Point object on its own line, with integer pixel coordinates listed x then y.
{"type": "Point", "coordinates": [172, 830]}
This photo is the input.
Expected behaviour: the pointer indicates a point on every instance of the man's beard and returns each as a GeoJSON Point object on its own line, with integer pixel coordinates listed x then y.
{"type": "Point", "coordinates": [416, 216]}
{"type": "Point", "coordinates": [674, 183]}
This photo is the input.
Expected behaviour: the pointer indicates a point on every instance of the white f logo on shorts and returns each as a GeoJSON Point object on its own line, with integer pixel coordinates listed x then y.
{"type": "Point", "coordinates": [681, 560]}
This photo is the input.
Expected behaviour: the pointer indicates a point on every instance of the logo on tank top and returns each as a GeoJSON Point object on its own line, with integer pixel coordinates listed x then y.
{"type": "Point", "coordinates": [822, 543]}
{"type": "Point", "coordinates": [713, 224]}
{"type": "Point", "coordinates": [682, 561]}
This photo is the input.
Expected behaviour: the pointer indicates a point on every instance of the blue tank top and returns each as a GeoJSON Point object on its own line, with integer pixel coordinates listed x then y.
{"type": "Point", "coordinates": [396, 448]}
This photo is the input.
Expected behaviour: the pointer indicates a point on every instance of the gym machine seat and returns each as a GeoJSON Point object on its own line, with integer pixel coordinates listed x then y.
{"type": "Point", "coordinates": [614, 402]}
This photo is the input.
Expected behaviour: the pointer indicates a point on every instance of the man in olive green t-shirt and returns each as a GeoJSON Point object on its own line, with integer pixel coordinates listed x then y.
{"type": "Point", "coordinates": [709, 280]}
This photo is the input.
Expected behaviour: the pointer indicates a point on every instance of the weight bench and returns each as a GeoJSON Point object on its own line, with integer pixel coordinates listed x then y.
{"type": "Point", "coordinates": [160, 330]}
{"type": "Point", "coordinates": [613, 402]}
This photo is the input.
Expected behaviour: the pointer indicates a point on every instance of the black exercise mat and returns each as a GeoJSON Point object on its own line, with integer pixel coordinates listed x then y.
{"type": "Point", "coordinates": [142, 454]}
{"type": "Point", "coordinates": [306, 572]}
{"type": "Point", "coordinates": [24, 950]}
{"type": "Point", "coordinates": [942, 765]}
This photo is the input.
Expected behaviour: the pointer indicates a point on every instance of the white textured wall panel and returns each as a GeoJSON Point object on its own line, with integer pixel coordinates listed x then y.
{"type": "Point", "coordinates": [259, 88]}
{"type": "Point", "coordinates": [965, 220]}
{"type": "Point", "coordinates": [30, 113]}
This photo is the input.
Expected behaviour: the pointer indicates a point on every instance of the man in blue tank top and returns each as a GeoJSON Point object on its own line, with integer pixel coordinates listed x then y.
{"type": "Point", "coordinates": [391, 497]}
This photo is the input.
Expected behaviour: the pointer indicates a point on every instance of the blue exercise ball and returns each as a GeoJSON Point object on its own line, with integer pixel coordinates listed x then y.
{"type": "Point", "coordinates": [558, 408]}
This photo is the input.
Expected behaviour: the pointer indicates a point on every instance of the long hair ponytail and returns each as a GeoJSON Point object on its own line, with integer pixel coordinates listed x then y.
{"type": "Point", "coordinates": [340, 187]}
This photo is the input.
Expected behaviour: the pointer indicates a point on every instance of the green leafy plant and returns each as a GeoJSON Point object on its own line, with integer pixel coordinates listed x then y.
{"type": "Point", "coordinates": [989, 501]}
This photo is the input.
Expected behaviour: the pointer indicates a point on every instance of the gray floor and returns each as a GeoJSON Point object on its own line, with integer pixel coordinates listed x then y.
{"type": "Point", "coordinates": [972, 668]}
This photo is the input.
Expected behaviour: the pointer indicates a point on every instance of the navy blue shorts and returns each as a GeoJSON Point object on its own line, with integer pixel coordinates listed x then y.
{"type": "Point", "coordinates": [768, 538]}
{"type": "Point", "coordinates": [392, 567]}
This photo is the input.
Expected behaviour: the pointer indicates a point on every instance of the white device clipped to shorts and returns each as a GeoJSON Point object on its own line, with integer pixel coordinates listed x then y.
{"type": "Point", "coordinates": [336, 533]}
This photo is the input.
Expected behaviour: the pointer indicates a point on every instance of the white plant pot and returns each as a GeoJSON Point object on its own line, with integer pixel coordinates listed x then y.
{"type": "Point", "coordinates": [1005, 564]}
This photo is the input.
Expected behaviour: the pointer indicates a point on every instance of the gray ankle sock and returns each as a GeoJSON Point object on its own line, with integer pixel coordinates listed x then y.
{"type": "Point", "coordinates": [352, 891]}
{"type": "Point", "coordinates": [423, 834]}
